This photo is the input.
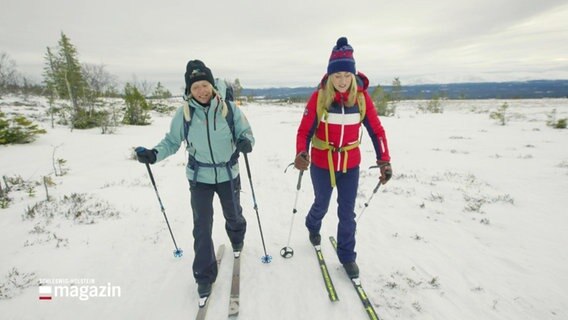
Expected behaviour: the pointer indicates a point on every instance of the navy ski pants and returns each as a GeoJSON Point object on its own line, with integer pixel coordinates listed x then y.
{"type": "Point", "coordinates": [347, 184]}
{"type": "Point", "coordinates": [204, 263]}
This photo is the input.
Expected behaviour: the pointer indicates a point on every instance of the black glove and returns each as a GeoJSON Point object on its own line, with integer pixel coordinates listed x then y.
{"type": "Point", "coordinates": [145, 155]}
{"type": "Point", "coordinates": [244, 145]}
{"type": "Point", "coordinates": [386, 171]}
{"type": "Point", "coordinates": [302, 161]}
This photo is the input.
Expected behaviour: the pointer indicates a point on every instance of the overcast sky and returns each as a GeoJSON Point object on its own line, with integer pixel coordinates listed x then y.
{"type": "Point", "coordinates": [268, 43]}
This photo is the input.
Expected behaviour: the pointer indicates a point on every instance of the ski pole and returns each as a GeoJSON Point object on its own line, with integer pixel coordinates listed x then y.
{"type": "Point", "coordinates": [178, 252]}
{"type": "Point", "coordinates": [287, 251]}
{"type": "Point", "coordinates": [266, 258]}
{"type": "Point", "coordinates": [371, 197]}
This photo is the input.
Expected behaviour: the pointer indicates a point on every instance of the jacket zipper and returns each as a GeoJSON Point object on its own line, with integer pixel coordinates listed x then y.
{"type": "Point", "coordinates": [341, 134]}
{"type": "Point", "coordinates": [209, 141]}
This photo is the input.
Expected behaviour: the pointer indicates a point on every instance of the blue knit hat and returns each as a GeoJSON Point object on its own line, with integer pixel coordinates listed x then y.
{"type": "Point", "coordinates": [341, 58]}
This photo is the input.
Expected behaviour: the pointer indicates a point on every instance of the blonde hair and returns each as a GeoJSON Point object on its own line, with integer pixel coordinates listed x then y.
{"type": "Point", "coordinates": [224, 109]}
{"type": "Point", "coordinates": [326, 95]}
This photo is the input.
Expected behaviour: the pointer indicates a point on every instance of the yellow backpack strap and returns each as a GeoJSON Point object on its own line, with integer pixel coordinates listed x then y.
{"type": "Point", "coordinates": [321, 112]}
{"type": "Point", "coordinates": [362, 105]}
{"type": "Point", "coordinates": [320, 108]}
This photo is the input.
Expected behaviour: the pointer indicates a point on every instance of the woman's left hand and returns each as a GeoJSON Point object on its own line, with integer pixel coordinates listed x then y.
{"type": "Point", "coordinates": [386, 171]}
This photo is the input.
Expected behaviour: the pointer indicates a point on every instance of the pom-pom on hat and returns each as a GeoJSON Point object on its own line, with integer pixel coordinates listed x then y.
{"type": "Point", "coordinates": [341, 58]}
{"type": "Point", "coordinates": [197, 71]}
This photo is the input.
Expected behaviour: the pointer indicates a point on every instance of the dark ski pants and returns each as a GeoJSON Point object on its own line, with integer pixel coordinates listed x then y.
{"type": "Point", "coordinates": [204, 263]}
{"type": "Point", "coordinates": [347, 184]}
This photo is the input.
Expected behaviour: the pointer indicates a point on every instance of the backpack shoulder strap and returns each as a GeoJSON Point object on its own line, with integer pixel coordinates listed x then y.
{"type": "Point", "coordinates": [321, 110]}
{"type": "Point", "coordinates": [362, 104]}
{"type": "Point", "coordinates": [187, 115]}
{"type": "Point", "coordinates": [229, 93]}
{"type": "Point", "coordinates": [230, 117]}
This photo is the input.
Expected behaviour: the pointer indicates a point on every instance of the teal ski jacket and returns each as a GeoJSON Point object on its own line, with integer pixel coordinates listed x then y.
{"type": "Point", "coordinates": [210, 139]}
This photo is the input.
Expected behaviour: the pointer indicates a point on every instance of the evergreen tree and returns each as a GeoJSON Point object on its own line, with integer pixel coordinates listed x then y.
{"type": "Point", "coordinates": [137, 107]}
{"type": "Point", "coordinates": [382, 100]}
{"type": "Point", "coordinates": [161, 92]}
{"type": "Point", "coordinates": [49, 73]}
{"type": "Point", "coordinates": [385, 102]}
{"type": "Point", "coordinates": [17, 130]}
{"type": "Point", "coordinates": [71, 82]}
{"type": "Point", "coordinates": [63, 74]}
{"type": "Point", "coordinates": [396, 93]}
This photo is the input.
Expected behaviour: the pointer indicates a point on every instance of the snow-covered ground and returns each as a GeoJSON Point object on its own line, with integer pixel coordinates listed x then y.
{"type": "Point", "coordinates": [472, 225]}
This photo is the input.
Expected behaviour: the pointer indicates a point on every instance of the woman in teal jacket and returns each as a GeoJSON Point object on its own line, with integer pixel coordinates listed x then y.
{"type": "Point", "coordinates": [215, 131]}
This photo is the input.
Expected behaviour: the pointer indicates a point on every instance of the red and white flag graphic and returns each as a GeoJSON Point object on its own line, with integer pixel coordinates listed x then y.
{"type": "Point", "coordinates": [44, 292]}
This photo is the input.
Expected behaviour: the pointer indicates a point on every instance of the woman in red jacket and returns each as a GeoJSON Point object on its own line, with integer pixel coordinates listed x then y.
{"type": "Point", "coordinates": [330, 124]}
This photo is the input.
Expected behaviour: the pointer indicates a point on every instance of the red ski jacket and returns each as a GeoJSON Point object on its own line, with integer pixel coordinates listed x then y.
{"type": "Point", "coordinates": [344, 123]}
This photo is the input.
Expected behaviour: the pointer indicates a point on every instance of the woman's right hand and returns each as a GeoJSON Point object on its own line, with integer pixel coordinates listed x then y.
{"type": "Point", "coordinates": [302, 161]}
{"type": "Point", "coordinates": [146, 155]}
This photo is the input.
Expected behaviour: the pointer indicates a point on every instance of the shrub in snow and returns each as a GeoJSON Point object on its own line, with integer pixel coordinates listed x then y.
{"type": "Point", "coordinates": [15, 184]}
{"type": "Point", "coordinates": [500, 114]}
{"type": "Point", "coordinates": [4, 201]}
{"type": "Point", "coordinates": [17, 130]}
{"type": "Point", "coordinates": [475, 202]}
{"type": "Point", "coordinates": [434, 105]}
{"type": "Point", "coordinates": [555, 123]}
{"type": "Point", "coordinates": [137, 108]}
{"type": "Point", "coordinates": [45, 237]}
{"type": "Point", "coordinates": [79, 207]}
{"type": "Point", "coordinates": [14, 282]}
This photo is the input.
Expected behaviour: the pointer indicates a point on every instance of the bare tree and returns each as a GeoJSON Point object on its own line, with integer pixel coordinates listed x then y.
{"type": "Point", "coordinates": [237, 88]}
{"type": "Point", "coordinates": [143, 86]}
{"type": "Point", "coordinates": [99, 81]}
{"type": "Point", "coordinates": [9, 77]}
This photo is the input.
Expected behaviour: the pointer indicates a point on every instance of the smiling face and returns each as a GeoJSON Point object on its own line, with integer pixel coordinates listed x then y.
{"type": "Point", "coordinates": [341, 81]}
{"type": "Point", "coordinates": [202, 91]}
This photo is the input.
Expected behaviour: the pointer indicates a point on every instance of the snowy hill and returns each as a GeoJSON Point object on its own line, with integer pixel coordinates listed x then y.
{"type": "Point", "coordinates": [472, 225]}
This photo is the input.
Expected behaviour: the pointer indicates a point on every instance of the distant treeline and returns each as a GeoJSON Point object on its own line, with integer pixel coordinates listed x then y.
{"type": "Point", "coordinates": [533, 89]}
